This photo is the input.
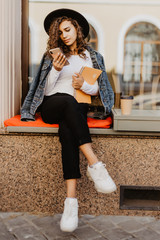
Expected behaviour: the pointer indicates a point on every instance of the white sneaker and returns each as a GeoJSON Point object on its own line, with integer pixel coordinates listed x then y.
{"type": "Point", "coordinates": [101, 178]}
{"type": "Point", "coordinates": [69, 220]}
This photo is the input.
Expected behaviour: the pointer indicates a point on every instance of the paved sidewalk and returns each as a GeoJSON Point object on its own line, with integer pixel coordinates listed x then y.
{"type": "Point", "coordinates": [22, 226]}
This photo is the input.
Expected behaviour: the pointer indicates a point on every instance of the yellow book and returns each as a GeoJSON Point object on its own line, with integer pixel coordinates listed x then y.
{"type": "Point", "coordinates": [90, 75]}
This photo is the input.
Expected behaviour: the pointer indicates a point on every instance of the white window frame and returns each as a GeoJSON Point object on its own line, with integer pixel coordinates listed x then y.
{"type": "Point", "coordinates": [147, 118]}
{"type": "Point", "coordinates": [123, 31]}
{"type": "Point", "coordinates": [99, 30]}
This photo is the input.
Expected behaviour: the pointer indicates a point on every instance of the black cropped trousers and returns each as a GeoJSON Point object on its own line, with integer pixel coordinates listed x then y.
{"type": "Point", "coordinates": [71, 116]}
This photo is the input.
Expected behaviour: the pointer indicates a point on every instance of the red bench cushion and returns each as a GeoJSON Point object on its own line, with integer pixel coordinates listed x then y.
{"type": "Point", "coordinates": [92, 123]}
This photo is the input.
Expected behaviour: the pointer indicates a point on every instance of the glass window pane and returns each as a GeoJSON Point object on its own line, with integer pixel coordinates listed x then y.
{"type": "Point", "coordinates": [142, 32]}
{"type": "Point", "coordinates": [151, 61]}
{"type": "Point", "coordinates": [151, 52]}
{"type": "Point", "coordinates": [92, 38]}
{"type": "Point", "coordinates": [142, 65]}
{"type": "Point", "coordinates": [92, 32]}
{"type": "Point", "coordinates": [132, 62]}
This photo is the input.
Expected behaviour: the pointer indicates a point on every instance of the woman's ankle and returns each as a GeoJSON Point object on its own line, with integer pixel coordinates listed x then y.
{"type": "Point", "coordinates": [90, 163]}
{"type": "Point", "coordinates": [71, 188]}
{"type": "Point", "coordinates": [71, 196]}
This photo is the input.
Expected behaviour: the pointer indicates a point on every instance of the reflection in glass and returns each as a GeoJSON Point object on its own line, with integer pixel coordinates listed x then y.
{"type": "Point", "coordinates": [141, 61]}
{"type": "Point", "coordinates": [143, 31]}
{"type": "Point", "coordinates": [151, 52]}
{"type": "Point", "coordinates": [92, 38]}
{"type": "Point", "coordinates": [132, 62]}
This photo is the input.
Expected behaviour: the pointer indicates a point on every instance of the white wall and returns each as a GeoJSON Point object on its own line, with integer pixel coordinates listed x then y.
{"type": "Point", "coordinates": [10, 58]}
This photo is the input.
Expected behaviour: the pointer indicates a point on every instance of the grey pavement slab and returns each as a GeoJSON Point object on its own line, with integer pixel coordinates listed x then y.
{"type": "Point", "coordinates": [101, 223]}
{"type": "Point", "coordinates": [147, 234]}
{"type": "Point", "coordinates": [155, 226]}
{"type": "Point", "coordinates": [26, 232]}
{"type": "Point", "coordinates": [120, 219]}
{"type": "Point", "coordinates": [9, 215]}
{"type": "Point", "coordinates": [24, 226]}
{"type": "Point", "coordinates": [131, 226]}
{"type": "Point", "coordinates": [67, 238]}
{"type": "Point", "coordinates": [87, 233]}
{"type": "Point", "coordinates": [15, 222]}
{"type": "Point", "coordinates": [117, 234]}
{"type": "Point", "coordinates": [4, 233]}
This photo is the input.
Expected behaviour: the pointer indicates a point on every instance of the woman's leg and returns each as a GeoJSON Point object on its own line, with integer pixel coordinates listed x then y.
{"type": "Point", "coordinates": [70, 152]}
{"type": "Point", "coordinates": [88, 153]}
{"type": "Point", "coordinates": [64, 107]}
{"type": "Point", "coordinates": [71, 188]}
{"type": "Point", "coordinates": [74, 134]}
{"type": "Point", "coordinates": [71, 171]}
{"type": "Point", "coordinates": [72, 131]}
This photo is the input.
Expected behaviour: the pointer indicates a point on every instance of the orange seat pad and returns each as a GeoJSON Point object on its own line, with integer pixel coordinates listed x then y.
{"type": "Point", "coordinates": [16, 122]}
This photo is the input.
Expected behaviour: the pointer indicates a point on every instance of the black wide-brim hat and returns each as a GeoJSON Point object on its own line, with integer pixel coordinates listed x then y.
{"type": "Point", "coordinates": [67, 13]}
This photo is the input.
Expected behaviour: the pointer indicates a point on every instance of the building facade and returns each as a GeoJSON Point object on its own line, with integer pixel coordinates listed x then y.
{"type": "Point", "coordinates": [125, 32]}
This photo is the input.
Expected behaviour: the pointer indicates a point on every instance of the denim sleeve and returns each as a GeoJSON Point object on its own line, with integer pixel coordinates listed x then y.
{"type": "Point", "coordinates": [106, 91]}
{"type": "Point", "coordinates": [25, 109]}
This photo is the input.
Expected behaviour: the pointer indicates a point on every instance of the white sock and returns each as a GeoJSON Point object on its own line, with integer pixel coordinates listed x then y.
{"type": "Point", "coordinates": [91, 166]}
{"type": "Point", "coordinates": [70, 198]}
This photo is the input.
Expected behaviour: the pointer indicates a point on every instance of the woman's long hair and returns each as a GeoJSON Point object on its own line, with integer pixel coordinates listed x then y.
{"type": "Point", "coordinates": [55, 41]}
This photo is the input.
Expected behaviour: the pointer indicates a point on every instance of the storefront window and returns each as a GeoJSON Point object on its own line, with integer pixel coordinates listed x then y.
{"type": "Point", "coordinates": [142, 64]}
{"type": "Point", "coordinates": [93, 39]}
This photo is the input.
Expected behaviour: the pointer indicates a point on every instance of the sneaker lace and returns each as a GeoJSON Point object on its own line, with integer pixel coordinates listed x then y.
{"type": "Point", "coordinates": [102, 173]}
{"type": "Point", "coordinates": [71, 210]}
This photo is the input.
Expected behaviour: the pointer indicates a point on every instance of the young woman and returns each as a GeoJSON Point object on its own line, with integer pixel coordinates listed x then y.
{"type": "Point", "coordinates": [53, 89]}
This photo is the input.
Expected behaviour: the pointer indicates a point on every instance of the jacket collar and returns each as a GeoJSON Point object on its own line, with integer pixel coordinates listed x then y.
{"type": "Point", "coordinates": [47, 61]}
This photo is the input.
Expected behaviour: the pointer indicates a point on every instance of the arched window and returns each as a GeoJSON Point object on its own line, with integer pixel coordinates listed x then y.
{"type": "Point", "coordinates": [141, 57]}
{"type": "Point", "coordinates": [92, 38]}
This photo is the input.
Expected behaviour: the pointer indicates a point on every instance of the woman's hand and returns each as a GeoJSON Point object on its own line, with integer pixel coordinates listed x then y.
{"type": "Point", "coordinates": [77, 81]}
{"type": "Point", "coordinates": [59, 61]}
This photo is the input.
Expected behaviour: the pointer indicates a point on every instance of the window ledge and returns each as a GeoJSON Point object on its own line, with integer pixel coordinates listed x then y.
{"type": "Point", "coordinates": [93, 131]}
{"type": "Point", "coordinates": [138, 120]}
{"type": "Point", "coordinates": [138, 123]}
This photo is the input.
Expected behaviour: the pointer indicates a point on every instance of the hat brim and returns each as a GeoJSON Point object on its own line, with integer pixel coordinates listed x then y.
{"type": "Point", "coordinates": [68, 13]}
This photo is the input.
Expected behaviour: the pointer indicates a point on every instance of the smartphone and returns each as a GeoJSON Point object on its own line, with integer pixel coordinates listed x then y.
{"type": "Point", "coordinates": [55, 51]}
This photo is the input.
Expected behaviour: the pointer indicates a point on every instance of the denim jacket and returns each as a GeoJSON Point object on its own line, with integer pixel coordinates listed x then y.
{"type": "Point", "coordinates": [35, 94]}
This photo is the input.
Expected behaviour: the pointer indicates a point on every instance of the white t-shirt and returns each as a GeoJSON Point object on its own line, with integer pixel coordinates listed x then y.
{"type": "Point", "coordinates": [61, 81]}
